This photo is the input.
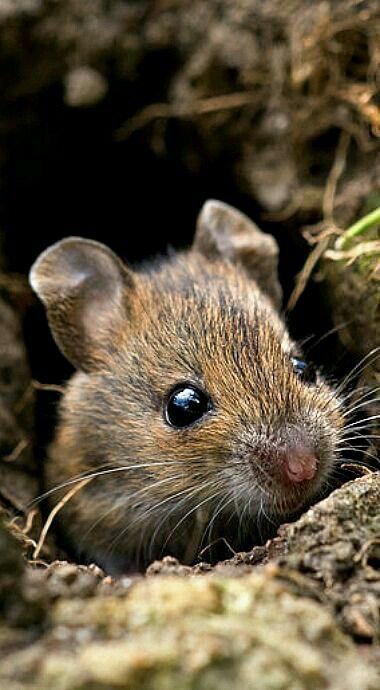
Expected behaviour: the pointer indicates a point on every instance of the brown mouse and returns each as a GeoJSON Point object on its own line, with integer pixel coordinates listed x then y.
{"type": "Point", "coordinates": [191, 409]}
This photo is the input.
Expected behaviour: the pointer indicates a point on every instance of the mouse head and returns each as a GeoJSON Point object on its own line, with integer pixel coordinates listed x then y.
{"type": "Point", "coordinates": [87, 290]}
{"type": "Point", "coordinates": [187, 368]}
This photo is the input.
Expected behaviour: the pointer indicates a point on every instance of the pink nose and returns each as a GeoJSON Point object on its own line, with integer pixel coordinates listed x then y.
{"type": "Point", "coordinates": [299, 464]}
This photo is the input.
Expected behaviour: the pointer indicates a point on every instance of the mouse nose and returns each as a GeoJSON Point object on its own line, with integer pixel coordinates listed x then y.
{"type": "Point", "coordinates": [298, 464]}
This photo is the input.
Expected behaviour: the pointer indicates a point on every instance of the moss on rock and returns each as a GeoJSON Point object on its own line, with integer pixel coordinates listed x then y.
{"type": "Point", "coordinates": [199, 634]}
{"type": "Point", "coordinates": [337, 544]}
{"type": "Point", "coordinates": [353, 290]}
{"type": "Point", "coordinates": [292, 624]}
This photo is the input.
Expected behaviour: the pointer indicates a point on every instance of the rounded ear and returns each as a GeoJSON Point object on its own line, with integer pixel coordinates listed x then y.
{"type": "Point", "coordinates": [223, 232]}
{"type": "Point", "coordinates": [84, 287]}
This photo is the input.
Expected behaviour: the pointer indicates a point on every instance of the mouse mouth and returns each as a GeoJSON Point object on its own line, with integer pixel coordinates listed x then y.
{"type": "Point", "coordinates": [281, 502]}
{"type": "Point", "coordinates": [288, 471]}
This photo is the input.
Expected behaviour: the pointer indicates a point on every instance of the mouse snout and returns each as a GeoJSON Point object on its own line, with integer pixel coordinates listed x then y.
{"type": "Point", "coordinates": [288, 457]}
{"type": "Point", "coordinates": [298, 463]}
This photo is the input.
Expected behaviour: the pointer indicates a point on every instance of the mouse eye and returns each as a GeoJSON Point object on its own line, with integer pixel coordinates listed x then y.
{"type": "Point", "coordinates": [185, 405]}
{"type": "Point", "coordinates": [306, 372]}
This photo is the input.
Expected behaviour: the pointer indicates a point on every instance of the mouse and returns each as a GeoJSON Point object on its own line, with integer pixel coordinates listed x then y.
{"type": "Point", "coordinates": [192, 414]}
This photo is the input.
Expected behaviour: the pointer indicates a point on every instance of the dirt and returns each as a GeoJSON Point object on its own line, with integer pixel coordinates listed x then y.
{"type": "Point", "coordinates": [353, 289]}
{"type": "Point", "coordinates": [330, 554]}
{"type": "Point", "coordinates": [291, 616]}
{"type": "Point", "coordinates": [265, 90]}
{"type": "Point", "coordinates": [17, 463]}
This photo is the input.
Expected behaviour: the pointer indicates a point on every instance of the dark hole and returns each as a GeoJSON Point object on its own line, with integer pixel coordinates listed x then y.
{"type": "Point", "coordinates": [373, 558]}
{"type": "Point", "coordinates": [374, 562]}
{"type": "Point", "coordinates": [353, 53]}
{"type": "Point", "coordinates": [66, 175]}
{"type": "Point", "coordinates": [320, 154]}
{"type": "Point", "coordinates": [5, 377]}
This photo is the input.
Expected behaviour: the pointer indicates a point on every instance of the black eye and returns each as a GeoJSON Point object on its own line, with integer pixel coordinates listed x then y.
{"type": "Point", "coordinates": [185, 405]}
{"type": "Point", "coordinates": [306, 372]}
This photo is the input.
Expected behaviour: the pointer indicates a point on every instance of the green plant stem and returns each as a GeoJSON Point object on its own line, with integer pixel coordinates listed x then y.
{"type": "Point", "coordinates": [368, 221]}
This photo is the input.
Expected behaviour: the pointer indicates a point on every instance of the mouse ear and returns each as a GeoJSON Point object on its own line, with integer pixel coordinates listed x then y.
{"type": "Point", "coordinates": [82, 285]}
{"type": "Point", "coordinates": [224, 232]}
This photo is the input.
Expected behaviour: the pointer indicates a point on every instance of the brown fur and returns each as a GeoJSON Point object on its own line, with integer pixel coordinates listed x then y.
{"type": "Point", "coordinates": [200, 319]}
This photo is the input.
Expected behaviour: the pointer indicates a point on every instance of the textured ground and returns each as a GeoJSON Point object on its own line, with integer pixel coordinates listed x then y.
{"type": "Point", "coordinates": [309, 618]}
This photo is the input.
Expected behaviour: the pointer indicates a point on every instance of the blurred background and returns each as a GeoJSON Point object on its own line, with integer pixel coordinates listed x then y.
{"type": "Point", "coordinates": [119, 118]}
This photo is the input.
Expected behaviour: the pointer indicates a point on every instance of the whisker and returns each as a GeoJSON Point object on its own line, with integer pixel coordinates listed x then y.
{"type": "Point", "coordinates": [323, 337]}
{"type": "Point", "coordinates": [98, 473]}
{"type": "Point", "coordinates": [358, 437]}
{"type": "Point", "coordinates": [219, 509]}
{"type": "Point", "coordinates": [351, 460]}
{"type": "Point", "coordinates": [357, 400]}
{"type": "Point", "coordinates": [267, 516]}
{"type": "Point", "coordinates": [210, 523]}
{"type": "Point", "coordinates": [360, 367]}
{"type": "Point", "coordinates": [242, 515]}
{"type": "Point", "coordinates": [127, 500]}
{"type": "Point", "coordinates": [236, 499]}
{"type": "Point", "coordinates": [363, 422]}
{"type": "Point", "coordinates": [361, 453]}
{"type": "Point", "coordinates": [175, 508]}
{"type": "Point", "coordinates": [143, 517]}
{"type": "Point", "coordinates": [351, 410]}
{"type": "Point", "coordinates": [139, 518]}
{"type": "Point", "coordinates": [180, 522]}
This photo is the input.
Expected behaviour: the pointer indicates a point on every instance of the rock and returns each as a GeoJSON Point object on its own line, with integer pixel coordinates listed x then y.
{"type": "Point", "coordinates": [14, 387]}
{"type": "Point", "coordinates": [20, 604]}
{"type": "Point", "coordinates": [290, 624]}
{"type": "Point", "coordinates": [194, 633]}
{"type": "Point", "coordinates": [353, 291]}
{"type": "Point", "coordinates": [17, 465]}
{"type": "Point", "coordinates": [336, 544]}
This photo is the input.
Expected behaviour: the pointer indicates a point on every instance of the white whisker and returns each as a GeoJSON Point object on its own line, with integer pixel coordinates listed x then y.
{"type": "Point", "coordinates": [99, 473]}
{"type": "Point", "coordinates": [180, 522]}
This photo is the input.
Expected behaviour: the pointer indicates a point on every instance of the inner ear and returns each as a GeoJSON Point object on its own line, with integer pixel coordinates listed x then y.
{"type": "Point", "coordinates": [223, 232]}
{"type": "Point", "coordinates": [84, 287]}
